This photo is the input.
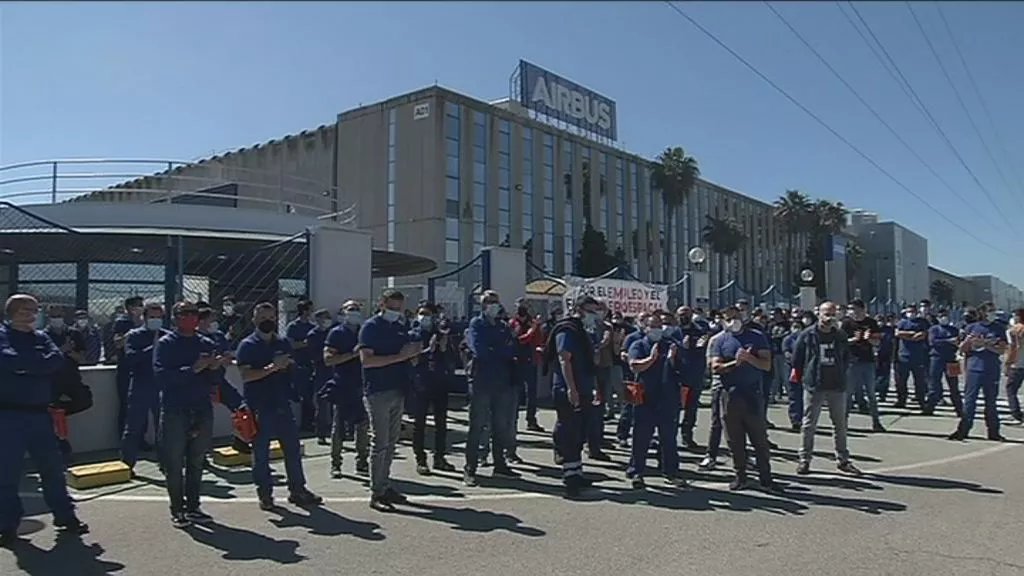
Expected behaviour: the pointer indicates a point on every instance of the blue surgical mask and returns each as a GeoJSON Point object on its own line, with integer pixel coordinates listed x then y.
{"type": "Point", "coordinates": [154, 324]}
{"type": "Point", "coordinates": [491, 310]}
{"type": "Point", "coordinates": [391, 315]}
{"type": "Point", "coordinates": [324, 323]}
{"type": "Point", "coordinates": [426, 322]}
{"type": "Point", "coordinates": [353, 317]}
{"type": "Point", "coordinates": [654, 334]}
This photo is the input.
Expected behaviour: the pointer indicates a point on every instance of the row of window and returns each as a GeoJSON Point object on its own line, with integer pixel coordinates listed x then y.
{"type": "Point", "coordinates": [392, 145]}
{"type": "Point", "coordinates": [504, 181]}
{"type": "Point", "coordinates": [479, 180]}
{"type": "Point", "coordinates": [453, 193]}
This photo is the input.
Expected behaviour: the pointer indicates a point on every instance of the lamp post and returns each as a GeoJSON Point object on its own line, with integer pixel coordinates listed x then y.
{"type": "Point", "coordinates": [696, 256]}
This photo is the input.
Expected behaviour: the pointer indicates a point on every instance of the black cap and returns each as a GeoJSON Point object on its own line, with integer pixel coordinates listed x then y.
{"type": "Point", "coordinates": [585, 300]}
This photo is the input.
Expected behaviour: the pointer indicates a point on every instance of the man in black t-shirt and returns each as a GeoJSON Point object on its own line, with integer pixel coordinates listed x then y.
{"type": "Point", "coordinates": [864, 335]}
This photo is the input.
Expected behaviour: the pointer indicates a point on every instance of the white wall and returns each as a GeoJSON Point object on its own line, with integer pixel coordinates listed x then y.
{"type": "Point", "coordinates": [508, 273]}
{"type": "Point", "coordinates": [340, 263]}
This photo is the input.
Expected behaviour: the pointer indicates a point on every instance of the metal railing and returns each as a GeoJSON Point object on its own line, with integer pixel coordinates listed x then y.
{"type": "Point", "coordinates": [172, 181]}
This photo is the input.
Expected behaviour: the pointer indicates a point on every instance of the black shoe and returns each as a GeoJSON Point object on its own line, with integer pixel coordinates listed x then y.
{"type": "Point", "coordinates": [393, 496]}
{"type": "Point", "coordinates": [848, 468]}
{"type": "Point", "coordinates": [900, 404]}
{"type": "Point", "coordinates": [691, 445]}
{"type": "Point", "coordinates": [957, 435]}
{"type": "Point", "coordinates": [197, 516]}
{"type": "Point", "coordinates": [795, 427]}
{"type": "Point", "coordinates": [739, 483]}
{"type": "Point", "coordinates": [514, 458]}
{"type": "Point", "coordinates": [72, 525]}
{"type": "Point", "coordinates": [573, 487]}
{"type": "Point", "coordinates": [267, 503]}
{"type": "Point", "coordinates": [877, 427]}
{"type": "Point", "coordinates": [678, 482]}
{"type": "Point", "coordinates": [323, 442]}
{"type": "Point", "coordinates": [773, 489]}
{"type": "Point", "coordinates": [442, 465]}
{"type": "Point", "coordinates": [180, 521]}
{"type": "Point", "coordinates": [803, 468]}
{"type": "Point", "coordinates": [8, 537]}
{"type": "Point", "coordinates": [362, 466]}
{"type": "Point", "coordinates": [469, 479]}
{"type": "Point", "coordinates": [997, 437]}
{"type": "Point", "coordinates": [600, 456]}
{"type": "Point", "coordinates": [504, 471]}
{"type": "Point", "coordinates": [304, 497]}
{"type": "Point", "coordinates": [381, 504]}
{"type": "Point", "coordinates": [637, 482]}
{"type": "Point", "coordinates": [336, 472]}
{"type": "Point", "coordinates": [532, 426]}
{"type": "Point", "coordinates": [422, 469]}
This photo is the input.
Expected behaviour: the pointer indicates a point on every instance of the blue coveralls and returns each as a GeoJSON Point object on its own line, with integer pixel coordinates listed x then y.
{"type": "Point", "coordinates": [571, 427]}
{"type": "Point", "coordinates": [343, 392]}
{"type": "Point", "coordinates": [430, 394]}
{"type": "Point", "coordinates": [625, 424]}
{"type": "Point", "coordinates": [302, 371]}
{"type": "Point", "coordinates": [269, 399]}
{"type": "Point", "coordinates": [883, 363]}
{"type": "Point", "coordinates": [795, 393]}
{"type": "Point", "coordinates": [494, 393]}
{"type": "Point", "coordinates": [693, 365]}
{"type": "Point", "coordinates": [122, 325]}
{"type": "Point", "coordinates": [983, 372]}
{"type": "Point", "coordinates": [913, 360]}
{"type": "Point", "coordinates": [662, 387]}
{"type": "Point", "coordinates": [942, 344]}
{"type": "Point", "coordinates": [143, 393]}
{"type": "Point", "coordinates": [321, 374]}
{"type": "Point", "coordinates": [28, 361]}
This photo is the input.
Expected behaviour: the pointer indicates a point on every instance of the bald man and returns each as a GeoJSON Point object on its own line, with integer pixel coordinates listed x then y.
{"type": "Point", "coordinates": [27, 365]}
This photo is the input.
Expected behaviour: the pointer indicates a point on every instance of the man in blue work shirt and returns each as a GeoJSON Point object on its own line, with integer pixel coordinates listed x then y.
{"type": "Point", "coordinates": [625, 425]}
{"type": "Point", "coordinates": [28, 361]}
{"type": "Point", "coordinates": [943, 339]}
{"type": "Point", "coordinates": [430, 390]}
{"type": "Point", "coordinates": [692, 339]}
{"type": "Point", "coordinates": [821, 358]}
{"type": "Point", "coordinates": [302, 371]}
{"type": "Point", "coordinates": [181, 360]}
{"type": "Point", "coordinates": [71, 344]}
{"type": "Point", "coordinates": [92, 336]}
{"type": "Point", "coordinates": [264, 360]}
{"type": "Point", "coordinates": [343, 390]}
{"type": "Point", "coordinates": [128, 319]}
{"type": "Point", "coordinates": [656, 362]}
{"type": "Point", "coordinates": [912, 333]}
{"type": "Point", "coordinates": [983, 343]}
{"type": "Point", "coordinates": [570, 351]}
{"type": "Point", "coordinates": [224, 392]}
{"type": "Point", "coordinates": [494, 394]}
{"type": "Point", "coordinates": [143, 393]}
{"type": "Point", "coordinates": [795, 390]}
{"type": "Point", "coordinates": [741, 357]}
{"type": "Point", "coordinates": [322, 324]}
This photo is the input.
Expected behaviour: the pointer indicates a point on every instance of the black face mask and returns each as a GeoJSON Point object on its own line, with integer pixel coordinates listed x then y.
{"type": "Point", "coordinates": [266, 326]}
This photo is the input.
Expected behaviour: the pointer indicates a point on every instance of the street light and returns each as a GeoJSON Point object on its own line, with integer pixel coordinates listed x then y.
{"type": "Point", "coordinates": [807, 275]}
{"type": "Point", "coordinates": [696, 256]}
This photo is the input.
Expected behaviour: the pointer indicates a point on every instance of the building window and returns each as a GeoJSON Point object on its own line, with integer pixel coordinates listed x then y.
{"type": "Point", "coordinates": [602, 186]}
{"type": "Point", "coordinates": [527, 186]}
{"type": "Point", "coordinates": [453, 188]}
{"type": "Point", "coordinates": [634, 213]}
{"type": "Point", "coordinates": [620, 204]}
{"type": "Point", "coordinates": [392, 117]}
{"type": "Point", "coordinates": [549, 201]}
{"type": "Point", "coordinates": [479, 181]}
{"type": "Point", "coordinates": [504, 183]}
{"type": "Point", "coordinates": [568, 161]}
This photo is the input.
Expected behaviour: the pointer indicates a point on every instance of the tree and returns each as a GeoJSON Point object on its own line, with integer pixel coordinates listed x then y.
{"type": "Point", "coordinates": [675, 174]}
{"type": "Point", "coordinates": [828, 219]}
{"type": "Point", "coordinates": [854, 261]}
{"type": "Point", "coordinates": [593, 258]}
{"type": "Point", "coordinates": [724, 235]}
{"type": "Point", "coordinates": [587, 199]}
{"type": "Point", "coordinates": [941, 292]}
{"type": "Point", "coordinates": [794, 214]}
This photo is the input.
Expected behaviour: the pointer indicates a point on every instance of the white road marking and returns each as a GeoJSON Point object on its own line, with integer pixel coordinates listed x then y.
{"type": "Point", "coordinates": [947, 460]}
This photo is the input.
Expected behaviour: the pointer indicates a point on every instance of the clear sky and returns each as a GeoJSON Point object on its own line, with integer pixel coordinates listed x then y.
{"type": "Point", "coordinates": [185, 80]}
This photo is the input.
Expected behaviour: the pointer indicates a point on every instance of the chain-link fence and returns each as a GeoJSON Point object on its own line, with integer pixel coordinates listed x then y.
{"type": "Point", "coordinates": [88, 274]}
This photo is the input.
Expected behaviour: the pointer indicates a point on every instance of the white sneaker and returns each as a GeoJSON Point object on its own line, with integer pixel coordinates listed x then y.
{"type": "Point", "coordinates": [707, 464]}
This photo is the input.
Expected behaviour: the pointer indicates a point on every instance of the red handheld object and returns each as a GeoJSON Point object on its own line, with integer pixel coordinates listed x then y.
{"type": "Point", "coordinates": [244, 423]}
{"type": "Point", "coordinates": [60, 422]}
{"type": "Point", "coordinates": [795, 376]}
{"type": "Point", "coordinates": [634, 393]}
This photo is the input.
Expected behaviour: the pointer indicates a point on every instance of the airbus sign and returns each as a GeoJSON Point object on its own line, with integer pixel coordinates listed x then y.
{"type": "Point", "coordinates": [550, 94]}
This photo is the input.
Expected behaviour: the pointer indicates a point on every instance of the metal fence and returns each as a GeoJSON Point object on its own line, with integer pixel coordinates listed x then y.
{"type": "Point", "coordinates": [94, 272]}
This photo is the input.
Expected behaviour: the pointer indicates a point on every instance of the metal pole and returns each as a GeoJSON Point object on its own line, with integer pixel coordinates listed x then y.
{"type": "Point", "coordinates": [53, 185]}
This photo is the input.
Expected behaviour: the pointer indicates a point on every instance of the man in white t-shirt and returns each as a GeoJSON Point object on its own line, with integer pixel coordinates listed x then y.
{"type": "Point", "coordinates": [1014, 364]}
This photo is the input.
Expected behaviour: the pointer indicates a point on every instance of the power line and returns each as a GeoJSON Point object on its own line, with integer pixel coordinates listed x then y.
{"type": "Point", "coordinates": [960, 100]}
{"type": "Point", "coordinates": [931, 118]}
{"type": "Point", "coordinates": [977, 92]}
{"type": "Point", "coordinates": [871, 109]}
{"type": "Point", "coordinates": [825, 125]}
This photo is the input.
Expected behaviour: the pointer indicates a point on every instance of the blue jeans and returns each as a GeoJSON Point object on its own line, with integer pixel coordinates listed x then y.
{"type": "Point", "coordinates": [276, 422]}
{"type": "Point", "coordinates": [30, 432]}
{"type": "Point", "coordinates": [528, 391]}
{"type": "Point", "coordinates": [796, 404]}
{"type": "Point", "coordinates": [981, 383]}
{"type": "Point", "coordinates": [662, 414]}
{"type": "Point", "coordinates": [860, 378]}
{"type": "Point", "coordinates": [694, 383]}
{"type": "Point", "coordinates": [883, 374]}
{"type": "Point", "coordinates": [937, 371]}
{"type": "Point", "coordinates": [490, 407]}
{"type": "Point", "coordinates": [185, 436]}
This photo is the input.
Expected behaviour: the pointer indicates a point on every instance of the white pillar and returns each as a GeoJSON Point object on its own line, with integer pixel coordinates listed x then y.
{"type": "Point", "coordinates": [340, 262]}
{"type": "Point", "coordinates": [508, 273]}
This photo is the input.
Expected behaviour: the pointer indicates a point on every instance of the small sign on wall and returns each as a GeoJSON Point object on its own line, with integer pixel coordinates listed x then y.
{"type": "Point", "coordinates": [421, 111]}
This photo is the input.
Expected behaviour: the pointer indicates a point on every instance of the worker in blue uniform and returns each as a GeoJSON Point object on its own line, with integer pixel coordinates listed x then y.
{"type": "Point", "coordinates": [983, 343]}
{"type": "Point", "coordinates": [343, 390]}
{"type": "Point", "coordinates": [72, 345]}
{"type": "Point", "coordinates": [129, 319]}
{"type": "Point", "coordinates": [27, 362]}
{"type": "Point", "coordinates": [143, 393]}
{"type": "Point", "coordinates": [656, 362]}
{"type": "Point", "coordinates": [322, 324]}
{"type": "Point", "coordinates": [570, 351]}
{"type": "Point", "coordinates": [625, 424]}
{"type": "Point", "coordinates": [494, 393]}
{"type": "Point", "coordinates": [264, 360]}
{"type": "Point", "coordinates": [691, 338]}
{"type": "Point", "coordinates": [912, 333]}
{"type": "Point", "coordinates": [430, 391]}
{"type": "Point", "coordinates": [943, 339]}
{"type": "Point", "coordinates": [795, 390]}
{"type": "Point", "coordinates": [224, 392]}
{"type": "Point", "coordinates": [301, 371]}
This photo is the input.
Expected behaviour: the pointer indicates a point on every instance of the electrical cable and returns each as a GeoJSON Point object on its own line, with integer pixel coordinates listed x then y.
{"type": "Point", "coordinates": [871, 109]}
{"type": "Point", "coordinates": [827, 127]}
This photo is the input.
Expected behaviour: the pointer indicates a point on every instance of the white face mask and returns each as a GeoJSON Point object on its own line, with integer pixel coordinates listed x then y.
{"type": "Point", "coordinates": [214, 326]}
{"type": "Point", "coordinates": [81, 322]}
{"type": "Point", "coordinates": [734, 325]}
{"type": "Point", "coordinates": [229, 309]}
{"type": "Point", "coordinates": [944, 320]}
{"type": "Point", "coordinates": [426, 322]}
{"type": "Point", "coordinates": [353, 317]}
{"type": "Point", "coordinates": [57, 323]}
{"type": "Point", "coordinates": [654, 334]}
{"type": "Point", "coordinates": [324, 323]}
{"type": "Point", "coordinates": [491, 310]}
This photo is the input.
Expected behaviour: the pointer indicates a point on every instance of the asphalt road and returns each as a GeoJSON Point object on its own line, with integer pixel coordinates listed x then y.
{"type": "Point", "coordinates": [928, 506]}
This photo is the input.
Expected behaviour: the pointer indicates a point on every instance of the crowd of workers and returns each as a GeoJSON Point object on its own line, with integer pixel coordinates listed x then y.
{"type": "Point", "coordinates": [356, 372]}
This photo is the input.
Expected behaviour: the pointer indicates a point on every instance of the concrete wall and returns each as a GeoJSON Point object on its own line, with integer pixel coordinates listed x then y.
{"type": "Point", "coordinates": [340, 263]}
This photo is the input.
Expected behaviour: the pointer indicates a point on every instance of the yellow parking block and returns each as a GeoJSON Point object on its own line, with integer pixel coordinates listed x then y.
{"type": "Point", "coordinates": [95, 475]}
{"type": "Point", "coordinates": [228, 456]}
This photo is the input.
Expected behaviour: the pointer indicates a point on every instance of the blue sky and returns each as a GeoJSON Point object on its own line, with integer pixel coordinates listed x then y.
{"type": "Point", "coordinates": [185, 80]}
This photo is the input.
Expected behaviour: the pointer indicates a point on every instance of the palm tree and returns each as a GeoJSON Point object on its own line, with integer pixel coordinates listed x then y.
{"type": "Point", "coordinates": [854, 260]}
{"type": "Point", "coordinates": [724, 236]}
{"type": "Point", "coordinates": [941, 292]}
{"type": "Point", "coordinates": [829, 219]}
{"type": "Point", "coordinates": [792, 211]}
{"type": "Point", "coordinates": [675, 174]}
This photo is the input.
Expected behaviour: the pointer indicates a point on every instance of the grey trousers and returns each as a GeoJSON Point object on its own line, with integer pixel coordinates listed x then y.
{"type": "Point", "coordinates": [813, 403]}
{"type": "Point", "coordinates": [385, 412]}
